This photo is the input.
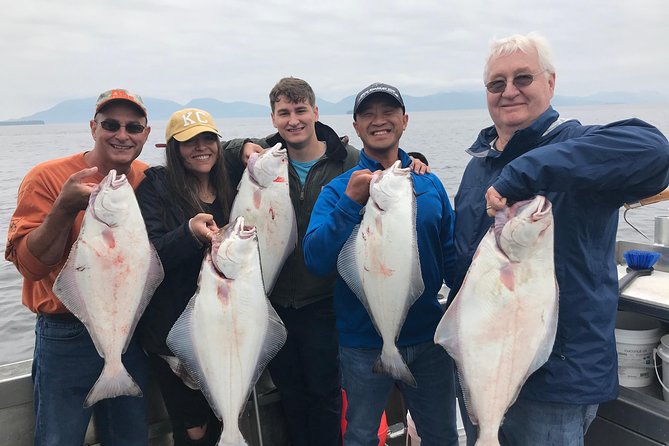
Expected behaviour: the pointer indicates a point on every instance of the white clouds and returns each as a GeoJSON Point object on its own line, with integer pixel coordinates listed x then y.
{"type": "Point", "coordinates": [236, 50]}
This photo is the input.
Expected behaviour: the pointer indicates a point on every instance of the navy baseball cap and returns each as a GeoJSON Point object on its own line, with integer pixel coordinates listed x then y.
{"type": "Point", "coordinates": [378, 88]}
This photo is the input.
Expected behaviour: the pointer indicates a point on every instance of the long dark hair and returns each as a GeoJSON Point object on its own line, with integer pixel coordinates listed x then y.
{"type": "Point", "coordinates": [184, 185]}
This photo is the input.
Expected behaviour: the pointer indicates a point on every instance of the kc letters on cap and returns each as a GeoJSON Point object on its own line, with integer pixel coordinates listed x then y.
{"type": "Point", "coordinates": [189, 122]}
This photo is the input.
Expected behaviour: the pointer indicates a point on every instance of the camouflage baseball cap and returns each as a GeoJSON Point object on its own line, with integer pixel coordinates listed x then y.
{"type": "Point", "coordinates": [119, 94]}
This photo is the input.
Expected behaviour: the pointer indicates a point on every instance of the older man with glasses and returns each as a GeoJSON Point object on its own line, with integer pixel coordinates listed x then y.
{"type": "Point", "coordinates": [587, 172]}
{"type": "Point", "coordinates": [45, 224]}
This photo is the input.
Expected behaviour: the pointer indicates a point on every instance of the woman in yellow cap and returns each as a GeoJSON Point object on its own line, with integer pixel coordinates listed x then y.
{"type": "Point", "coordinates": [182, 203]}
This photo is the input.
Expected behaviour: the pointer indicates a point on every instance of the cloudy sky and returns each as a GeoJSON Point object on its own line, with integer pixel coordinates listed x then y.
{"type": "Point", "coordinates": [53, 50]}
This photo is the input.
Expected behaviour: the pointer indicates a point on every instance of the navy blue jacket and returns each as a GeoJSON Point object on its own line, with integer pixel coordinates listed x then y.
{"type": "Point", "coordinates": [587, 172]}
{"type": "Point", "coordinates": [332, 221]}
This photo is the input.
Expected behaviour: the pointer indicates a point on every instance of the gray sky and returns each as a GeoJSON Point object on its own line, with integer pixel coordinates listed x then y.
{"type": "Point", "coordinates": [53, 50]}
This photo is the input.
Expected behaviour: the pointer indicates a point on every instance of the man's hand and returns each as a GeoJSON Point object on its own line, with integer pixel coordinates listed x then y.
{"type": "Point", "coordinates": [75, 193]}
{"type": "Point", "coordinates": [248, 149]}
{"type": "Point", "coordinates": [47, 242]}
{"type": "Point", "coordinates": [419, 167]}
{"type": "Point", "coordinates": [357, 188]}
{"type": "Point", "coordinates": [494, 201]}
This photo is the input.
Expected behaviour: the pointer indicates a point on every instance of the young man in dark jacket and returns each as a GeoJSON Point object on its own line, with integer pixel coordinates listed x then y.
{"type": "Point", "coordinates": [587, 172]}
{"type": "Point", "coordinates": [306, 369]}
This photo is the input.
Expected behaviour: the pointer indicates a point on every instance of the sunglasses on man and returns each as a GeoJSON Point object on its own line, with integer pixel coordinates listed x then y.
{"type": "Point", "coordinates": [519, 81]}
{"type": "Point", "coordinates": [112, 125]}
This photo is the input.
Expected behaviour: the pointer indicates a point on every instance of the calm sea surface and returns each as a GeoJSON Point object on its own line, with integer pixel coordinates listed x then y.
{"type": "Point", "coordinates": [441, 136]}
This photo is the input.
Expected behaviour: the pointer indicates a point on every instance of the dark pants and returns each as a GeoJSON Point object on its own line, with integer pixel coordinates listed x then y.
{"type": "Point", "coordinates": [306, 372]}
{"type": "Point", "coordinates": [66, 364]}
{"type": "Point", "coordinates": [529, 423]}
{"type": "Point", "coordinates": [186, 407]}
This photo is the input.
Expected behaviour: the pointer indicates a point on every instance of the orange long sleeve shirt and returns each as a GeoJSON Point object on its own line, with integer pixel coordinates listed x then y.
{"type": "Point", "coordinates": [37, 193]}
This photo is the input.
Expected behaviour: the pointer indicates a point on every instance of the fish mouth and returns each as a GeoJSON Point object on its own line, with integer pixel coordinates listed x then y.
{"type": "Point", "coordinates": [247, 232]}
{"type": "Point", "coordinates": [543, 207]}
{"type": "Point", "coordinates": [113, 180]}
{"type": "Point", "coordinates": [243, 231]}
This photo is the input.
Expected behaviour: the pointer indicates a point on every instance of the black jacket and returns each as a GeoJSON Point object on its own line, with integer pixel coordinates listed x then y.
{"type": "Point", "coordinates": [179, 251]}
{"type": "Point", "coordinates": [296, 286]}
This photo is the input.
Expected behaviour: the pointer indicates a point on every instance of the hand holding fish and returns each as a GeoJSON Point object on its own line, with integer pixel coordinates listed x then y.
{"type": "Point", "coordinates": [249, 149]}
{"type": "Point", "coordinates": [358, 186]}
{"type": "Point", "coordinates": [75, 193]}
{"type": "Point", "coordinates": [419, 167]}
{"type": "Point", "coordinates": [494, 201]}
{"type": "Point", "coordinates": [47, 242]}
{"type": "Point", "coordinates": [203, 227]}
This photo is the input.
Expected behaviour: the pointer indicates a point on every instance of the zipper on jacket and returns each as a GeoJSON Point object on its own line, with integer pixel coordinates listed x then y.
{"type": "Point", "coordinates": [292, 174]}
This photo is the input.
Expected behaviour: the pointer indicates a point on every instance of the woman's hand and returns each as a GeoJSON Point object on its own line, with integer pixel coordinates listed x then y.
{"type": "Point", "coordinates": [203, 227]}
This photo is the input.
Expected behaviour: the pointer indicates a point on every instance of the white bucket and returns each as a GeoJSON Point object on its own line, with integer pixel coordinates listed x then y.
{"type": "Point", "coordinates": [663, 353]}
{"type": "Point", "coordinates": [636, 338]}
{"type": "Point", "coordinates": [412, 439]}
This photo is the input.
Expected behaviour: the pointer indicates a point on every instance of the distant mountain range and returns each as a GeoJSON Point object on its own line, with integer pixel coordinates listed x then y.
{"type": "Point", "coordinates": [77, 110]}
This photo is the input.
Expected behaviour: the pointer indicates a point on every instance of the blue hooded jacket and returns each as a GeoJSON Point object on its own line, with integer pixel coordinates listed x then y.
{"type": "Point", "coordinates": [587, 172]}
{"type": "Point", "coordinates": [333, 219]}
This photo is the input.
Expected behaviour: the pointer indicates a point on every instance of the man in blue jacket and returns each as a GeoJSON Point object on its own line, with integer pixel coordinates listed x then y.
{"type": "Point", "coordinates": [587, 172]}
{"type": "Point", "coordinates": [379, 120]}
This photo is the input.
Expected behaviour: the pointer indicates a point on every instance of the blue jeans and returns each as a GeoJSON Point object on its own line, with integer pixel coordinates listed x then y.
{"type": "Point", "coordinates": [65, 367]}
{"type": "Point", "coordinates": [431, 403]}
{"type": "Point", "coordinates": [306, 372]}
{"type": "Point", "coordinates": [529, 423]}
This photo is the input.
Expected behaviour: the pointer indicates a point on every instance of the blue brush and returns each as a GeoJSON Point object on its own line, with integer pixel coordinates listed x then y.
{"type": "Point", "coordinates": [639, 263]}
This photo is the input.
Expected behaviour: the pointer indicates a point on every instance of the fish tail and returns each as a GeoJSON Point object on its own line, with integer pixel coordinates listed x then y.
{"type": "Point", "coordinates": [488, 438]}
{"type": "Point", "coordinates": [113, 381]}
{"type": "Point", "coordinates": [390, 361]}
{"type": "Point", "coordinates": [234, 442]}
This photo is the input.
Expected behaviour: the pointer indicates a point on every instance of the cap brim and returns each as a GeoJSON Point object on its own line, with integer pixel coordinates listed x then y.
{"type": "Point", "coordinates": [194, 131]}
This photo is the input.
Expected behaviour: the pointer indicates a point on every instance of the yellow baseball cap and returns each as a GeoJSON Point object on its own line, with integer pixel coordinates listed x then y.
{"type": "Point", "coordinates": [189, 122]}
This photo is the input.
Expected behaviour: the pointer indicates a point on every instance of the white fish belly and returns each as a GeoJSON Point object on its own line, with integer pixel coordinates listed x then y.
{"type": "Point", "coordinates": [112, 267]}
{"type": "Point", "coordinates": [229, 328]}
{"type": "Point", "coordinates": [386, 251]}
{"type": "Point", "coordinates": [271, 212]}
{"type": "Point", "coordinates": [500, 328]}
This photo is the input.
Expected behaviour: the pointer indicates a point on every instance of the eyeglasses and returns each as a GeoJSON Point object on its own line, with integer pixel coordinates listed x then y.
{"type": "Point", "coordinates": [112, 125]}
{"type": "Point", "coordinates": [519, 81]}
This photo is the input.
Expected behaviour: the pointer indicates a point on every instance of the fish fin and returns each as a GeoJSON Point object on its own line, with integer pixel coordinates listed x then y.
{"type": "Point", "coordinates": [113, 381]}
{"type": "Point", "coordinates": [390, 362]}
{"type": "Point", "coordinates": [417, 284]}
{"type": "Point", "coordinates": [66, 290]}
{"type": "Point", "coordinates": [180, 342]}
{"type": "Point", "coordinates": [154, 277]}
{"type": "Point", "coordinates": [347, 265]}
{"type": "Point", "coordinates": [446, 333]}
{"type": "Point", "coordinates": [349, 270]}
{"type": "Point", "coordinates": [546, 344]}
{"type": "Point", "coordinates": [274, 339]}
{"type": "Point", "coordinates": [466, 398]}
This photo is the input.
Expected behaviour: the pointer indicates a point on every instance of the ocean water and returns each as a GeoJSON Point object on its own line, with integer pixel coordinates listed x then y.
{"type": "Point", "coordinates": [442, 136]}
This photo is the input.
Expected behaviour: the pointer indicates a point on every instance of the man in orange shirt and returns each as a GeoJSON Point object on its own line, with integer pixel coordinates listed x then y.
{"type": "Point", "coordinates": [45, 224]}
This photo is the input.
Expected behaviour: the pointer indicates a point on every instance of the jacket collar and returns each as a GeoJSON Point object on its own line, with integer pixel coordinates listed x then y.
{"type": "Point", "coordinates": [335, 147]}
{"type": "Point", "coordinates": [521, 141]}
